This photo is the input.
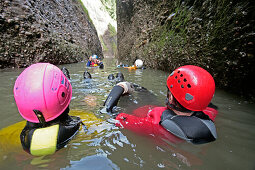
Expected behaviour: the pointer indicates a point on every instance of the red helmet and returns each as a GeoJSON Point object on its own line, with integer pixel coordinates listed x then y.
{"type": "Point", "coordinates": [192, 86]}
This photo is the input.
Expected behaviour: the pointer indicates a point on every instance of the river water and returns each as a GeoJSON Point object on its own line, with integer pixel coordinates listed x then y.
{"type": "Point", "coordinates": [113, 148]}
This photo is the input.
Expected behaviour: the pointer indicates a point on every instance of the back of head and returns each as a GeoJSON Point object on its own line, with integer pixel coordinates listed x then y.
{"type": "Point", "coordinates": [42, 87]}
{"type": "Point", "coordinates": [94, 56]}
{"type": "Point", "coordinates": [111, 77]}
{"type": "Point", "coordinates": [87, 75]}
{"type": "Point", "coordinates": [192, 86]}
{"type": "Point", "coordinates": [139, 63]}
{"type": "Point", "coordinates": [120, 77]}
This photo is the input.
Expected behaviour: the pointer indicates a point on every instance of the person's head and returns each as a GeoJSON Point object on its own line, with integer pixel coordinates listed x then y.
{"type": "Point", "coordinates": [94, 57]}
{"type": "Point", "coordinates": [190, 88]}
{"type": "Point", "coordinates": [138, 63]}
{"type": "Point", "coordinates": [97, 61]}
{"type": "Point", "coordinates": [42, 93]}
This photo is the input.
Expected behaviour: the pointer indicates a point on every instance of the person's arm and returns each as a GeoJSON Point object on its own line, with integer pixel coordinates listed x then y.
{"type": "Point", "coordinates": [114, 96]}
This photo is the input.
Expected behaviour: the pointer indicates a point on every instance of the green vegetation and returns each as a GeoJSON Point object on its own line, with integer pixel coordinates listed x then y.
{"type": "Point", "coordinates": [103, 44]}
{"type": "Point", "coordinates": [216, 35]}
{"type": "Point", "coordinates": [112, 30]}
{"type": "Point", "coordinates": [110, 6]}
{"type": "Point", "coordinates": [86, 11]}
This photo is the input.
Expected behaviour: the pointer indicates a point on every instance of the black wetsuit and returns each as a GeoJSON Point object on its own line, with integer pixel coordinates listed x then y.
{"type": "Point", "coordinates": [68, 127]}
{"type": "Point", "coordinates": [197, 128]}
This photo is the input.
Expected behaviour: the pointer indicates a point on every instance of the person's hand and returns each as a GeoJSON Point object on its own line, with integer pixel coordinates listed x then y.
{"type": "Point", "coordinates": [128, 88]}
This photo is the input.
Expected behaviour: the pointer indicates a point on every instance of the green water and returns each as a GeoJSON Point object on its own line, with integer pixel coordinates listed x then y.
{"type": "Point", "coordinates": [114, 148]}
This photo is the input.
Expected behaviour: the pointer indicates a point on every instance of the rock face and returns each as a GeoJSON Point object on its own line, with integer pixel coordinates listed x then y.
{"type": "Point", "coordinates": [45, 31]}
{"type": "Point", "coordinates": [216, 35]}
{"type": "Point", "coordinates": [103, 15]}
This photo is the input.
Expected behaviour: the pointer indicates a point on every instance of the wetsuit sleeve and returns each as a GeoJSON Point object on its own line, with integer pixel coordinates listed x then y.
{"type": "Point", "coordinates": [191, 128]}
{"type": "Point", "coordinates": [113, 98]}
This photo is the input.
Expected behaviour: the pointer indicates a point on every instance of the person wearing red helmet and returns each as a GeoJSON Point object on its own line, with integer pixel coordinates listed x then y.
{"type": "Point", "coordinates": [189, 113]}
{"type": "Point", "coordinates": [42, 94]}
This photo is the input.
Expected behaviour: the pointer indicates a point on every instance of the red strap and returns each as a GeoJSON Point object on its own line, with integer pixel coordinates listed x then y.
{"type": "Point", "coordinates": [211, 112]}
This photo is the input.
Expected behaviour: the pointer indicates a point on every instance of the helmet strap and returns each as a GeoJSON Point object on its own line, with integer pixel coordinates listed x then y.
{"type": "Point", "coordinates": [40, 117]}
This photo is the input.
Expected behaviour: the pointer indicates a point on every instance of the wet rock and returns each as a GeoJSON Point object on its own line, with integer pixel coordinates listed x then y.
{"type": "Point", "coordinates": [36, 31]}
{"type": "Point", "coordinates": [216, 35]}
{"type": "Point", "coordinates": [28, 33]}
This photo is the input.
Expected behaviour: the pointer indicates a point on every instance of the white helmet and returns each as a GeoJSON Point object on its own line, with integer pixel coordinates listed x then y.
{"type": "Point", "coordinates": [94, 56]}
{"type": "Point", "coordinates": [139, 63]}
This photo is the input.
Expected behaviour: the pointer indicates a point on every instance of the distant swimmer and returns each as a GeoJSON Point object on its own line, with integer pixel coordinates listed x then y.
{"type": "Point", "coordinates": [87, 75]}
{"type": "Point", "coordinates": [66, 72]}
{"type": "Point", "coordinates": [118, 78]}
{"type": "Point", "coordinates": [111, 77]}
{"type": "Point", "coordinates": [94, 62]}
{"type": "Point", "coordinates": [137, 65]}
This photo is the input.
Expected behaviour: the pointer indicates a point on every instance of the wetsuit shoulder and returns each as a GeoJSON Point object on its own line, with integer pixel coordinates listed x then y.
{"type": "Point", "coordinates": [189, 128]}
{"type": "Point", "coordinates": [156, 113]}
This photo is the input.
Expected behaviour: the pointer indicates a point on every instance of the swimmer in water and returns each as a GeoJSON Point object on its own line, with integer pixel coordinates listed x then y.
{"type": "Point", "coordinates": [87, 75]}
{"type": "Point", "coordinates": [42, 94]}
{"type": "Point", "coordinates": [189, 113]}
{"type": "Point", "coordinates": [118, 78]}
{"type": "Point", "coordinates": [94, 62]}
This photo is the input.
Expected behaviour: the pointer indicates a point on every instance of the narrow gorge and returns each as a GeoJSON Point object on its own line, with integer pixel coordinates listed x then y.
{"type": "Point", "coordinates": [216, 35]}
{"type": "Point", "coordinates": [58, 32]}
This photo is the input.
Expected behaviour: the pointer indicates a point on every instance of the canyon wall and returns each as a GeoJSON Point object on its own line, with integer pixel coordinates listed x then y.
{"type": "Point", "coordinates": [216, 35]}
{"type": "Point", "coordinates": [55, 31]}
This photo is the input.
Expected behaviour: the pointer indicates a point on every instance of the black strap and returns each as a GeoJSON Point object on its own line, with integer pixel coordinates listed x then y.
{"type": "Point", "coordinates": [40, 117]}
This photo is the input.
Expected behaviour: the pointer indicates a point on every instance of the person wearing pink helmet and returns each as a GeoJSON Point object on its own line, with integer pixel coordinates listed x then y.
{"type": "Point", "coordinates": [42, 94]}
{"type": "Point", "coordinates": [189, 113]}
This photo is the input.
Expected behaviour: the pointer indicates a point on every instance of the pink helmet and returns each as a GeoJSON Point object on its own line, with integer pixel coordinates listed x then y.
{"type": "Point", "coordinates": [42, 87]}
